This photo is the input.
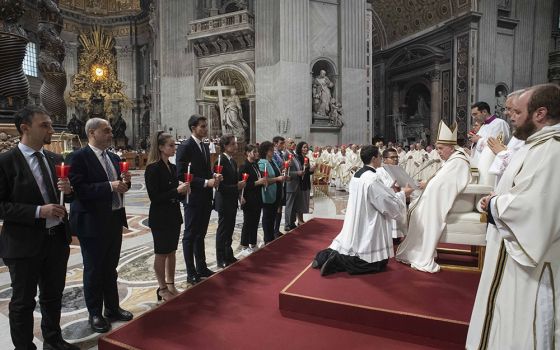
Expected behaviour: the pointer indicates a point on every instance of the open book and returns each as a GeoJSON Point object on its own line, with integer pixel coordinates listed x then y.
{"type": "Point", "coordinates": [401, 176]}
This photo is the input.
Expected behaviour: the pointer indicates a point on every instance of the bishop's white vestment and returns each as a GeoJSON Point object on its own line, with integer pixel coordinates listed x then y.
{"type": "Point", "coordinates": [518, 295]}
{"type": "Point", "coordinates": [495, 128]}
{"type": "Point", "coordinates": [427, 214]}
{"type": "Point", "coordinates": [367, 229]}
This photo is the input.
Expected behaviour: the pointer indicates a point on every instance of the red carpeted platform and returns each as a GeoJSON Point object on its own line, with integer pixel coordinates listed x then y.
{"type": "Point", "coordinates": [238, 308]}
{"type": "Point", "coordinates": [434, 305]}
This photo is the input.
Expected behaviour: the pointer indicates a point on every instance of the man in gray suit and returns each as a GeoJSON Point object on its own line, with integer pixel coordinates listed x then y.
{"type": "Point", "coordinates": [293, 192]}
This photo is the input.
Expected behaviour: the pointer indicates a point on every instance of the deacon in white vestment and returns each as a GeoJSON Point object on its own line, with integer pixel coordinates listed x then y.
{"type": "Point", "coordinates": [492, 127]}
{"type": "Point", "coordinates": [426, 215]}
{"type": "Point", "coordinates": [518, 295]}
{"type": "Point", "coordinates": [390, 157]}
{"type": "Point", "coordinates": [365, 243]}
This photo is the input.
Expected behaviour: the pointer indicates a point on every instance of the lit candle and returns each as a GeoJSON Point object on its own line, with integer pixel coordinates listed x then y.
{"type": "Point", "coordinates": [123, 166]}
{"type": "Point", "coordinates": [245, 177]}
{"type": "Point", "coordinates": [188, 179]}
{"type": "Point", "coordinates": [265, 174]}
{"type": "Point", "coordinates": [62, 172]}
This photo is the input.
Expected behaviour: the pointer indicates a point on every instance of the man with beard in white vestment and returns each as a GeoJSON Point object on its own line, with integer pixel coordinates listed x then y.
{"type": "Point", "coordinates": [518, 295]}
{"type": "Point", "coordinates": [426, 215]}
{"type": "Point", "coordinates": [365, 243]}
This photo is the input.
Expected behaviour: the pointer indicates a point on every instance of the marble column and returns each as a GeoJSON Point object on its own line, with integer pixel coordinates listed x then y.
{"type": "Point", "coordinates": [352, 27]}
{"type": "Point", "coordinates": [175, 61]}
{"type": "Point", "coordinates": [487, 35]}
{"type": "Point", "coordinates": [435, 79]}
{"type": "Point", "coordinates": [126, 72]}
{"type": "Point", "coordinates": [542, 20]}
{"type": "Point", "coordinates": [524, 37]}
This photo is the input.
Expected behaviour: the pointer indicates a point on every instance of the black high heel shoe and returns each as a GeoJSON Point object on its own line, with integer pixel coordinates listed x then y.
{"type": "Point", "coordinates": [159, 297]}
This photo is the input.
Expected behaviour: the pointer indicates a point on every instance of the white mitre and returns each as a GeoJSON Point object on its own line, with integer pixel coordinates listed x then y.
{"type": "Point", "coordinates": [446, 135]}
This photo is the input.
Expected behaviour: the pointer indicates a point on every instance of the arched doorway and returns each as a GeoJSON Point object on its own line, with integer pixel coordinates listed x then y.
{"type": "Point", "coordinates": [234, 87]}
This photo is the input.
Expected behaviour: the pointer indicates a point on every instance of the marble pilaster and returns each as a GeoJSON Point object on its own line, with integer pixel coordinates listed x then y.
{"type": "Point", "coordinates": [352, 29]}
{"type": "Point", "coordinates": [541, 43]}
{"type": "Point", "coordinates": [524, 37]}
{"type": "Point", "coordinates": [435, 79]}
{"type": "Point", "coordinates": [487, 51]}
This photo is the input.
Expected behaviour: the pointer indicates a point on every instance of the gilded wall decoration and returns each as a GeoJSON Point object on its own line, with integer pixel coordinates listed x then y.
{"type": "Point", "coordinates": [102, 7]}
{"type": "Point", "coordinates": [462, 63]}
{"type": "Point", "coordinates": [399, 19]}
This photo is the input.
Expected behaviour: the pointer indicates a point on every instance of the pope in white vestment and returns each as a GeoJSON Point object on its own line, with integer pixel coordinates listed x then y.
{"type": "Point", "coordinates": [427, 214]}
{"type": "Point", "coordinates": [518, 295]}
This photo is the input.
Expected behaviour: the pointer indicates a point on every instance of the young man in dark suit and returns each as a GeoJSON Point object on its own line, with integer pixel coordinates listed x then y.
{"type": "Point", "coordinates": [97, 216]}
{"type": "Point", "coordinates": [226, 200]}
{"type": "Point", "coordinates": [35, 235]}
{"type": "Point", "coordinates": [197, 211]}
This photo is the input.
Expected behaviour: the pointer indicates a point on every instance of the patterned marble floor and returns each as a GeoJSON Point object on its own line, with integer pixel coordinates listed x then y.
{"type": "Point", "coordinates": [136, 282]}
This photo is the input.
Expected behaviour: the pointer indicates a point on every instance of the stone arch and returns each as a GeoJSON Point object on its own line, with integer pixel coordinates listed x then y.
{"type": "Point", "coordinates": [415, 53]}
{"type": "Point", "coordinates": [239, 75]}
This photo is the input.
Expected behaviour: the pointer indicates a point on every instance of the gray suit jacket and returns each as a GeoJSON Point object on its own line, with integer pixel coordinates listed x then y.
{"type": "Point", "coordinates": [295, 180]}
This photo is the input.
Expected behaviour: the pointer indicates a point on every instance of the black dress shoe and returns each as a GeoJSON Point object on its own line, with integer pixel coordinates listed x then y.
{"type": "Point", "coordinates": [60, 344]}
{"type": "Point", "coordinates": [118, 315]}
{"type": "Point", "coordinates": [205, 273]}
{"type": "Point", "coordinates": [222, 265]}
{"type": "Point", "coordinates": [193, 279]}
{"type": "Point", "coordinates": [232, 260]}
{"type": "Point", "coordinates": [99, 324]}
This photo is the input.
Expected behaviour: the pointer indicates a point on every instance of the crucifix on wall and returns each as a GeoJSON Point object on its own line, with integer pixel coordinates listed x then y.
{"type": "Point", "coordinates": [220, 89]}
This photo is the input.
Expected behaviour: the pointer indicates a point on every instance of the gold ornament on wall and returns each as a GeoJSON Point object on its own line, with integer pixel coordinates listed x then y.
{"type": "Point", "coordinates": [97, 79]}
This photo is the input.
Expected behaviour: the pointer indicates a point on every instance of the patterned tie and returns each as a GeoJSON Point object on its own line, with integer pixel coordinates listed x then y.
{"type": "Point", "coordinates": [47, 181]}
{"type": "Point", "coordinates": [116, 201]}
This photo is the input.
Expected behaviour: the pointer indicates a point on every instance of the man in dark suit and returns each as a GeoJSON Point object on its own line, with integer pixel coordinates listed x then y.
{"type": "Point", "coordinates": [226, 201]}
{"type": "Point", "coordinates": [35, 237]}
{"type": "Point", "coordinates": [197, 211]}
{"type": "Point", "coordinates": [97, 216]}
{"type": "Point", "coordinates": [278, 159]}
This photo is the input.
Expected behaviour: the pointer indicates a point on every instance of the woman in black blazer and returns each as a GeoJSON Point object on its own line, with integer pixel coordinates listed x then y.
{"type": "Point", "coordinates": [305, 187]}
{"type": "Point", "coordinates": [251, 202]}
{"type": "Point", "coordinates": [165, 219]}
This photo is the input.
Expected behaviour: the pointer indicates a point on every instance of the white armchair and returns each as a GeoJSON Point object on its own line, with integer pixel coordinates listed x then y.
{"type": "Point", "coordinates": [466, 222]}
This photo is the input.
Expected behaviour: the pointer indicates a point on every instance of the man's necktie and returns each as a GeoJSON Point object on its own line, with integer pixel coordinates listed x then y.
{"type": "Point", "coordinates": [116, 201]}
{"type": "Point", "coordinates": [47, 181]}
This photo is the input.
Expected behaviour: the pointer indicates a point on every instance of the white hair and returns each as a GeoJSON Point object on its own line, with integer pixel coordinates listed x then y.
{"type": "Point", "coordinates": [516, 93]}
{"type": "Point", "coordinates": [94, 123]}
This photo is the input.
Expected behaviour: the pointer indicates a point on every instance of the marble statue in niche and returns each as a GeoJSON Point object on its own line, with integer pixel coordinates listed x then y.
{"type": "Point", "coordinates": [422, 109]}
{"type": "Point", "coordinates": [322, 94]}
{"type": "Point", "coordinates": [232, 120]}
{"type": "Point", "coordinates": [335, 114]}
{"type": "Point", "coordinates": [501, 96]}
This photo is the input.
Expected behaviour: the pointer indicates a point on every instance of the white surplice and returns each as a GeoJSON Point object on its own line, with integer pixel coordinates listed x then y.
{"type": "Point", "coordinates": [399, 224]}
{"type": "Point", "coordinates": [518, 295]}
{"type": "Point", "coordinates": [503, 158]}
{"type": "Point", "coordinates": [494, 129]}
{"type": "Point", "coordinates": [426, 215]}
{"type": "Point", "coordinates": [367, 229]}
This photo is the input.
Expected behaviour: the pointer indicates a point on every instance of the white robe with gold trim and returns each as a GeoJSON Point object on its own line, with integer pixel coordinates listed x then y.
{"type": "Point", "coordinates": [426, 216]}
{"type": "Point", "coordinates": [518, 295]}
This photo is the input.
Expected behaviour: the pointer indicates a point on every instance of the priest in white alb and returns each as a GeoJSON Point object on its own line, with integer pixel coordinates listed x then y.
{"type": "Point", "coordinates": [518, 295]}
{"type": "Point", "coordinates": [365, 243]}
{"type": "Point", "coordinates": [492, 127]}
{"type": "Point", "coordinates": [426, 215]}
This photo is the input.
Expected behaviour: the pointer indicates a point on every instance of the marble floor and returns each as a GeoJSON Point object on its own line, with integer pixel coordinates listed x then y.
{"type": "Point", "coordinates": [137, 283]}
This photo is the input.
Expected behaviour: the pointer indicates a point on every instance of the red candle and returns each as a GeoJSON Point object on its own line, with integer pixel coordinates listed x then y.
{"type": "Point", "coordinates": [62, 171]}
{"type": "Point", "coordinates": [188, 177]}
{"type": "Point", "coordinates": [219, 169]}
{"type": "Point", "coordinates": [286, 164]}
{"type": "Point", "coordinates": [305, 161]}
{"type": "Point", "coordinates": [290, 156]}
{"type": "Point", "coordinates": [123, 166]}
{"type": "Point", "coordinates": [265, 173]}
{"type": "Point", "coordinates": [245, 176]}
{"type": "Point", "coordinates": [316, 155]}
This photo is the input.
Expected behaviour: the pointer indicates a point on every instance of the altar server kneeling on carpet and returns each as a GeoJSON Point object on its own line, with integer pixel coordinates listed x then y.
{"type": "Point", "coordinates": [365, 243]}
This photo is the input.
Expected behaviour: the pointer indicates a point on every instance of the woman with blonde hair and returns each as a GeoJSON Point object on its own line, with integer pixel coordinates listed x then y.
{"type": "Point", "coordinates": [165, 219]}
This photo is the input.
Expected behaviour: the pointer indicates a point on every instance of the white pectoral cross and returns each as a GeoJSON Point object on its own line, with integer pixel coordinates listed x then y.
{"type": "Point", "coordinates": [219, 88]}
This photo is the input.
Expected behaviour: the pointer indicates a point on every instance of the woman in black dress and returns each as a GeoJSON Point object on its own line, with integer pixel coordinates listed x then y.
{"type": "Point", "coordinates": [251, 202]}
{"type": "Point", "coordinates": [165, 217]}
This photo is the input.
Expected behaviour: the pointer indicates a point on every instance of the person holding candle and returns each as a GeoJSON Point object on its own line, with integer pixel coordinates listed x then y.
{"type": "Point", "coordinates": [272, 191]}
{"type": "Point", "coordinates": [225, 201]}
{"type": "Point", "coordinates": [251, 199]}
{"type": "Point", "coordinates": [165, 219]}
{"type": "Point", "coordinates": [278, 158]}
{"type": "Point", "coordinates": [196, 153]}
{"type": "Point", "coordinates": [35, 230]}
{"type": "Point", "coordinates": [302, 149]}
{"type": "Point", "coordinates": [294, 172]}
{"type": "Point", "coordinates": [97, 216]}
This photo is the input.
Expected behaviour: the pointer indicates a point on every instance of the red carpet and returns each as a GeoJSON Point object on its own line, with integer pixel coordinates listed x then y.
{"type": "Point", "coordinates": [239, 308]}
{"type": "Point", "coordinates": [435, 305]}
